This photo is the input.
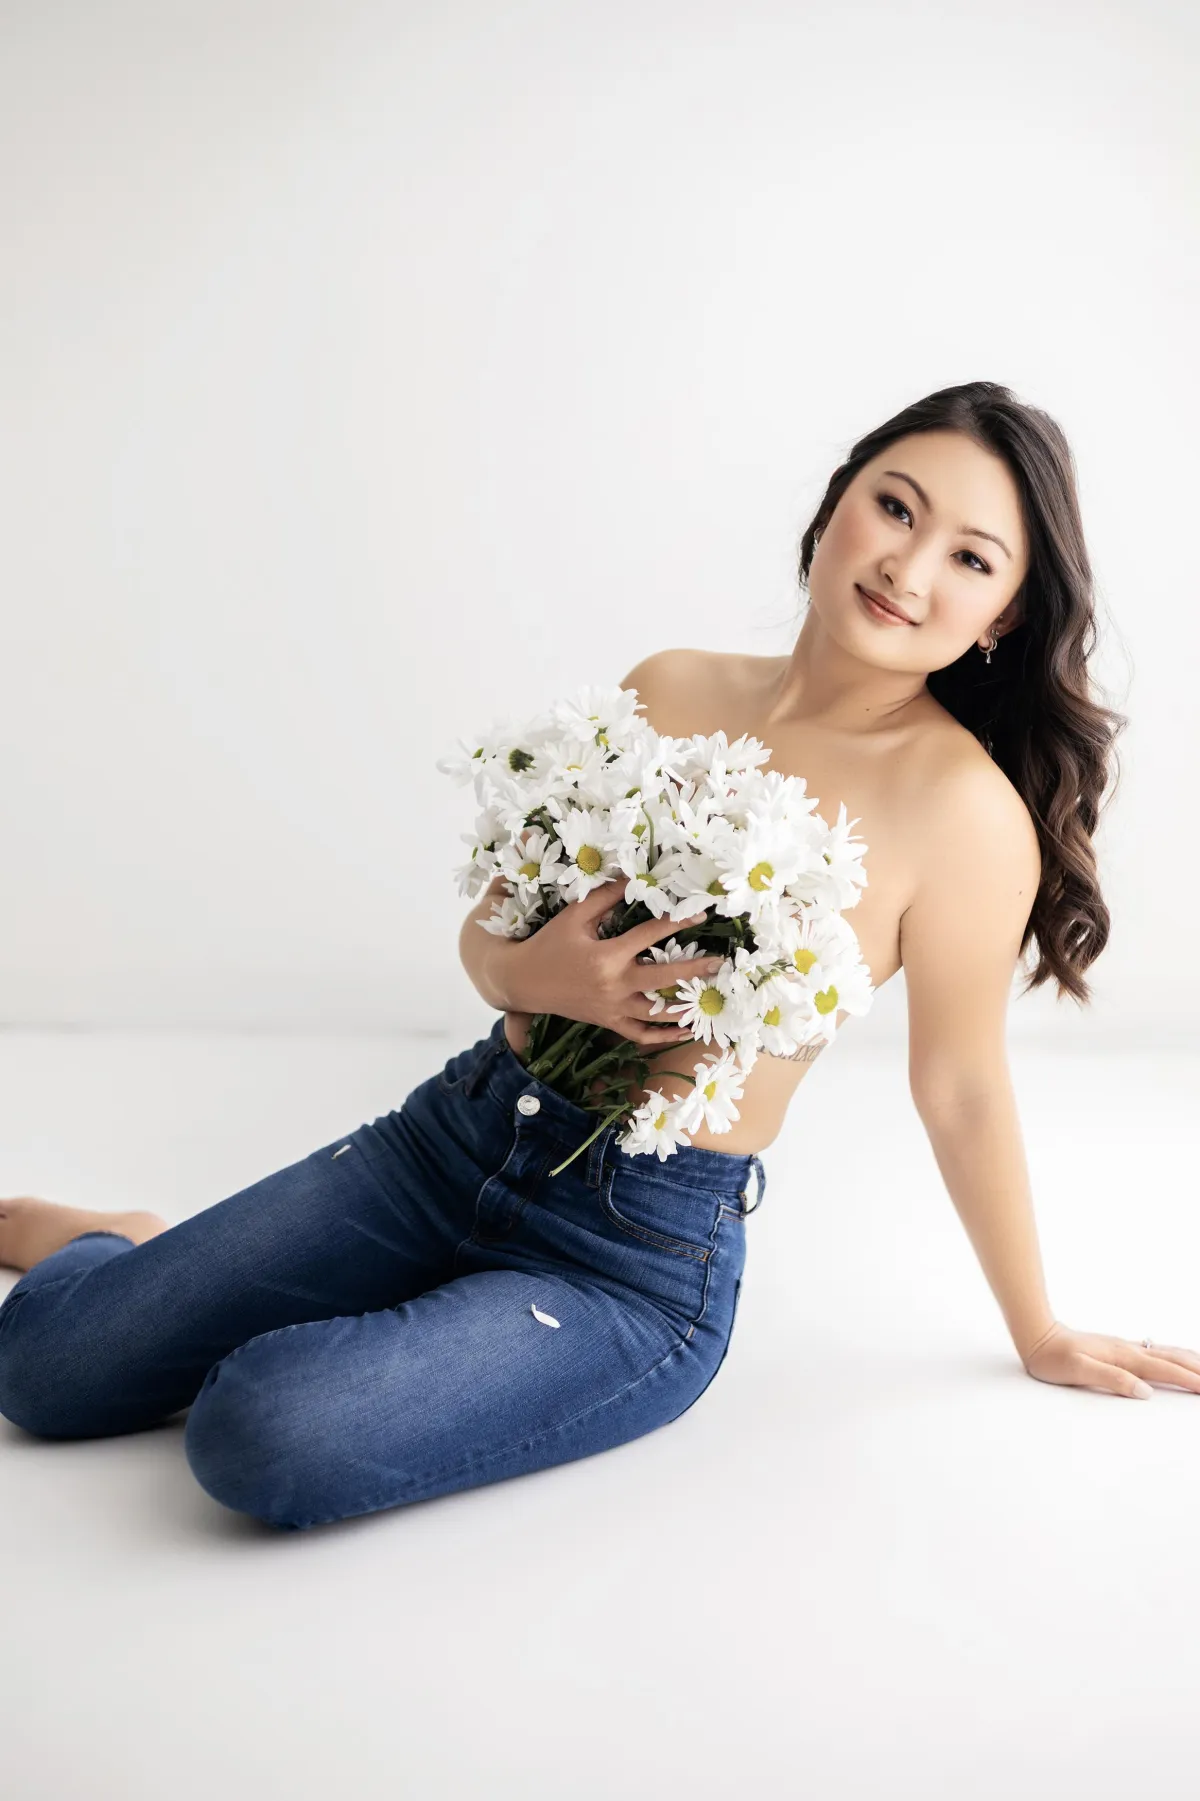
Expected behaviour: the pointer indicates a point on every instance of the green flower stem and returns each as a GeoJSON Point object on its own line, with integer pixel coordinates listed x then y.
{"type": "Point", "coordinates": [605, 1122]}
{"type": "Point", "coordinates": [546, 1068]}
{"type": "Point", "coordinates": [612, 1114]}
{"type": "Point", "coordinates": [540, 1037]}
{"type": "Point", "coordinates": [604, 1057]}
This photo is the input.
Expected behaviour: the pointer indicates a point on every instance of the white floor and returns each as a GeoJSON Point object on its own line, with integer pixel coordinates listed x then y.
{"type": "Point", "coordinates": [876, 1560]}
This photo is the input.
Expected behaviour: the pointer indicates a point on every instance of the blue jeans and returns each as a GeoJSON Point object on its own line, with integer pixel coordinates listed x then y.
{"type": "Point", "coordinates": [420, 1306]}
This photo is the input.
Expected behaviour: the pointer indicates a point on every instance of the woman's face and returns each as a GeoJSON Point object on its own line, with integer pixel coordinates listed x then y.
{"type": "Point", "coordinates": [906, 528]}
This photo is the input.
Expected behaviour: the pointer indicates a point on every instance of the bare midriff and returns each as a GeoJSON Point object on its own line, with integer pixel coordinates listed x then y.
{"type": "Point", "coordinates": [876, 774]}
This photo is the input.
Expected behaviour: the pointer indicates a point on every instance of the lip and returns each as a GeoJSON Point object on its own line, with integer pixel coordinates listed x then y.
{"type": "Point", "coordinates": [887, 606]}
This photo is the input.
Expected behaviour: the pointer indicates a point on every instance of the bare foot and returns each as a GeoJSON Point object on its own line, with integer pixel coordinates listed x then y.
{"type": "Point", "coordinates": [30, 1229]}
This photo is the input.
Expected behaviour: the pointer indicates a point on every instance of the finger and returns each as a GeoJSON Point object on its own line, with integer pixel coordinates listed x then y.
{"type": "Point", "coordinates": [665, 979]}
{"type": "Point", "coordinates": [1114, 1379]}
{"type": "Point", "coordinates": [662, 1020]}
{"type": "Point", "coordinates": [686, 969]}
{"type": "Point", "coordinates": [652, 931]}
{"type": "Point", "coordinates": [1162, 1369]}
{"type": "Point", "coordinates": [591, 913]}
{"type": "Point", "coordinates": [645, 1032]}
{"type": "Point", "coordinates": [680, 969]}
{"type": "Point", "coordinates": [599, 899]}
{"type": "Point", "coordinates": [647, 1015]}
{"type": "Point", "coordinates": [667, 998]}
{"type": "Point", "coordinates": [1189, 1359]}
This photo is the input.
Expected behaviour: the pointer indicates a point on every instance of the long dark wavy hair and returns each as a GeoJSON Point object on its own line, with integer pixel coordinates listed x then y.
{"type": "Point", "coordinates": [1035, 708]}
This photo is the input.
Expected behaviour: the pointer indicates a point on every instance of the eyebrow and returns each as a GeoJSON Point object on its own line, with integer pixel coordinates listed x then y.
{"type": "Point", "coordinates": [968, 531]}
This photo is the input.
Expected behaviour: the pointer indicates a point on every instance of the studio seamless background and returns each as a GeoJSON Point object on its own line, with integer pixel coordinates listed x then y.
{"type": "Point", "coordinates": [373, 373]}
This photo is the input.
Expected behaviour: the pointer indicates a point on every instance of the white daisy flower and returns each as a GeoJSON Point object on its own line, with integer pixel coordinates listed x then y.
{"type": "Point", "coordinates": [678, 956]}
{"type": "Point", "coordinates": [712, 1007]}
{"type": "Point", "coordinates": [654, 1126]}
{"type": "Point", "coordinates": [590, 852]}
{"type": "Point", "coordinates": [587, 793]}
{"type": "Point", "coordinates": [531, 862]}
{"type": "Point", "coordinates": [719, 1084]}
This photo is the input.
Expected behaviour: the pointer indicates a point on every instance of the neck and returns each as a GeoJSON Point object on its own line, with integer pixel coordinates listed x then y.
{"type": "Point", "coordinates": [823, 685]}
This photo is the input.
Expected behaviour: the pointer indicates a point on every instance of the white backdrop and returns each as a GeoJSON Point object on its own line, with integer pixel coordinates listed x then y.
{"type": "Point", "coordinates": [371, 372]}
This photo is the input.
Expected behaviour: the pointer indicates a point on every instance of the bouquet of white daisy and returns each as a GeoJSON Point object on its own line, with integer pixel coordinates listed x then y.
{"type": "Point", "coordinates": [588, 793]}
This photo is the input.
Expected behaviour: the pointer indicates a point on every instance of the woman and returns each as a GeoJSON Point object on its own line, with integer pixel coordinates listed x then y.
{"type": "Point", "coordinates": [425, 1305]}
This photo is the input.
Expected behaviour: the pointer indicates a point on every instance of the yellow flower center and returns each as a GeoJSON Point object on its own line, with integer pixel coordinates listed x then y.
{"type": "Point", "coordinates": [531, 870]}
{"type": "Point", "coordinates": [760, 876]}
{"type": "Point", "coordinates": [588, 858]}
{"type": "Point", "coordinates": [712, 1001]}
{"type": "Point", "coordinates": [826, 1001]}
{"type": "Point", "coordinates": [772, 1016]}
{"type": "Point", "coordinates": [804, 959]}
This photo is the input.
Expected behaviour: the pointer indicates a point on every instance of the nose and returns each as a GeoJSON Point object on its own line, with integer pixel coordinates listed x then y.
{"type": "Point", "coordinates": [909, 574]}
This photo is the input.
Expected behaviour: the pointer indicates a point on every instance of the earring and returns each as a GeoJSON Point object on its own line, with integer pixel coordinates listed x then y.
{"type": "Point", "coordinates": [992, 645]}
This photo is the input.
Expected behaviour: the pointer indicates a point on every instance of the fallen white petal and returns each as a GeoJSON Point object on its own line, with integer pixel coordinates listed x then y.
{"type": "Point", "coordinates": [544, 1317]}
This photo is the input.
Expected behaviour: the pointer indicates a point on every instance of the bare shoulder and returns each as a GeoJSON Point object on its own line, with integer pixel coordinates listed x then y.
{"type": "Point", "coordinates": [685, 687]}
{"type": "Point", "coordinates": [966, 801]}
{"type": "Point", "coordinates": [957, 767]}
{"type": "Point", "coordinates": [666, 666]}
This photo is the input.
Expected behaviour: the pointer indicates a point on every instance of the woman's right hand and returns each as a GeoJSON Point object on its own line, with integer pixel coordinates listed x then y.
{"type": "Point", "coordinates": [567, 968]}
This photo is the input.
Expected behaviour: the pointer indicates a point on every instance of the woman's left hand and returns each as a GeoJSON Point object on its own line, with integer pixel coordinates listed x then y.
{"type": "Point", "coordinates": [1116, 1365]}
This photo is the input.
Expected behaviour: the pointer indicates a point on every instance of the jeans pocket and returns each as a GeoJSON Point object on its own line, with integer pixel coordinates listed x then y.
{"type": "Point", "coordinates": [668, 1215]}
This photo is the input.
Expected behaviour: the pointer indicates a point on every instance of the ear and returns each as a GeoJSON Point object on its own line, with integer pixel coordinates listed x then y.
{"type": "Point", "coordinates": [1008, 621]}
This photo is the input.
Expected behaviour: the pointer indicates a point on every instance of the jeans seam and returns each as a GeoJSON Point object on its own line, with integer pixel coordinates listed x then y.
{"type": "Point", "coordinates": [471, 1237]}
{"type": "Point", "coordinates": [10, 1306]}
{"type": "Point", "coordinates": [708, 1270]}
{"type": "Point", "coordinates": [550, 1151]}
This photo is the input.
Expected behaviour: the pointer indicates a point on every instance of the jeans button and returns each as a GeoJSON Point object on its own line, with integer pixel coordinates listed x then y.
{"type": "Point", "coordinates": [528, 1103]}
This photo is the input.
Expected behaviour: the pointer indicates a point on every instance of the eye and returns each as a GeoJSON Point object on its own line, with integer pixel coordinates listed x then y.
{"type": "Point", "coordinates": [984, 568]}
{"type": "Point", "coordinates": [883, 500]}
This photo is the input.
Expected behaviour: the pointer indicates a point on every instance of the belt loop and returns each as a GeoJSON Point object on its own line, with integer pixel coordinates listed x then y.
{"type": "Point", "coordinates": [756, 1164]}
{"type": "Point", "coordinates": [475, 1078]}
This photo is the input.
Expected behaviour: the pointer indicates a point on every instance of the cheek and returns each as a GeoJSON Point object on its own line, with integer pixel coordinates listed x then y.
{"type": "Point", "coordinates": [851, 535]}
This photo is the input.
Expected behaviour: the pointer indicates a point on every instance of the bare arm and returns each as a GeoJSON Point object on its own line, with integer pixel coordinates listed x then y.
{"type": "Point", "coordinates": [959, 944]}
{"type": "Point", "coordinates": [982, 1161]}
{"type": "Point", "coordinates": [486, 956]}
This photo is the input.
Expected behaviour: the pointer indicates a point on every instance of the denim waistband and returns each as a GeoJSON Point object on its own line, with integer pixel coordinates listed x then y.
{"type": "Point", "coordinates": [691, 1166]}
